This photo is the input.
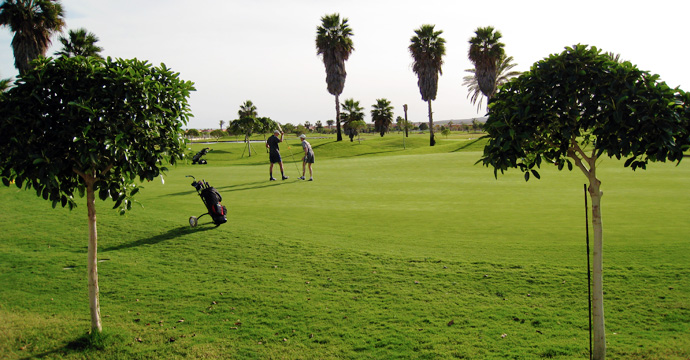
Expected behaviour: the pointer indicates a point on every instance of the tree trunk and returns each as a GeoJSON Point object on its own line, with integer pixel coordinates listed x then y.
{"type": "Point", "coordinates": [599, 334]}
{"type": "Point", "coordinates": [249, 149]}
{"type": "Point", "coordinates": [94, 304]}
{"type": "Point", "coordinates": [337, 118]}
{"type": "Point", "coordinates": [432, 141]}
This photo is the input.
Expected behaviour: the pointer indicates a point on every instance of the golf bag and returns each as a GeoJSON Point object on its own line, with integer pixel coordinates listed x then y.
{"type": "Point", "coordinates": [197, 159]}
{"type": "Point", "coordinates": [212, 199]}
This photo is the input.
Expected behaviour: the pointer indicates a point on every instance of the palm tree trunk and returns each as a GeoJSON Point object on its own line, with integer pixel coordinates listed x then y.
{"type": "Point", "coordinates": [432, 141]}
{"type": "Point", "coordinates": [337, 118]}
{"type": "Point", "coordinates": [94, 304]}
{"type": "Point", "coordinates": [598, 329]}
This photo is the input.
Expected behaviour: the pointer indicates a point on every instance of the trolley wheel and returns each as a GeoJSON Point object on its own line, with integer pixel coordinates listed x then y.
{"type": "Point", "coordinates": [193, 221]}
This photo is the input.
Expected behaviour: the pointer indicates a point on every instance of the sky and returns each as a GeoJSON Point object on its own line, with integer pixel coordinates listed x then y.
{"type": "Point", "coordinates": [264, 50]}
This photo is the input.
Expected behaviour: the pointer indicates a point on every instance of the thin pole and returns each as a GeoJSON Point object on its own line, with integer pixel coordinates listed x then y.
{"type": "Point", "coordinates": [589, 277]}
{"type": "Point", "coordinates": [405, 125]}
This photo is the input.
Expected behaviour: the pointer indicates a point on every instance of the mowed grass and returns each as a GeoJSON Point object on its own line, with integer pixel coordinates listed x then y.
{"type": "Point", "coordinates": [390, 253]}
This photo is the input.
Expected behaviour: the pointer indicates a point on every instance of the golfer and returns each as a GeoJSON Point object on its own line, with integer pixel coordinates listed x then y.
{"type": "Point", "coordinates": [274, 153]}
{"type": "Point", "coordinates": [308, 157]}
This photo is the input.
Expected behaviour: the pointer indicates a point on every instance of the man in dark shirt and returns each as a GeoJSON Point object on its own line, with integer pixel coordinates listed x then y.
{"type": "Point", "coordinates": [274, 153]}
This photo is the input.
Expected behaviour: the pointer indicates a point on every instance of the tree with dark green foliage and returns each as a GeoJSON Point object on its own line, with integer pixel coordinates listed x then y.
{"type": "Point", "coordinates": [334, 44]}
{"type": "Point", "coordinates": [79, 42]}
{"type": "Point", "coordinates": [192, 133]}
{"type": "Point", "coordinates": [33, 23]}
{"type": "Point", "coordinates": [382, 115]}
{"type": "Point", "coordinates": [247, 126]}
{"type": "Point", "coordinates": [63, 136]}
{"type": "Point", "coordinates": [247, 123]}
{"type": "Point", "coordinates": [486, 52]}
{"type": "Point", "coordinates": [352, 113]}
{"type": "Point", "coordinates": [427, 48]}
{"type": "Point", "coordinates": [572, 109]}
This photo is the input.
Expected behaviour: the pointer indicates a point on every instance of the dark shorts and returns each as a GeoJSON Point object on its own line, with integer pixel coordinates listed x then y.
{"type": "Point", "coordinates": [275, 158]}
{"type": "Point", "coordinates": [309, 158]}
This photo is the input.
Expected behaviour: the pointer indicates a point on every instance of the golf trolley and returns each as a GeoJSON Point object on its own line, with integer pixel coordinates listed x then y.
{"type": "Point", "coordinates": [197, 159]}
{"type": "Point", "coordinates": [211, 199]}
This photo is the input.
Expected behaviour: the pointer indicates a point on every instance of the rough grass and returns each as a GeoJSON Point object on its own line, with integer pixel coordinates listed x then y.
{"type": "Point", "coordinates": [390, 253]}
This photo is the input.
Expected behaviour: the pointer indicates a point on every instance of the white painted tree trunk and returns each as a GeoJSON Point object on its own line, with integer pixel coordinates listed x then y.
{"type": "Point", "coordinates": [599, 334]}
{"type": "Point", "coordinates": [94, 304]}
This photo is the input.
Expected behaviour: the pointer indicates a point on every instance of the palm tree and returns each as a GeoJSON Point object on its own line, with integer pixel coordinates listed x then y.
{"type": "Point", "coordinates": [334, 43]}
{"type": "Point", "coordinates": [79, 43]}
{"type": "Point", "coordinates": [221, 123]}
{"type": "Point", "coordinates": [503, 74]}
{"type": "Point", "coordinates": [485, 53]}
{"type": "Point", "coordinates": [247, 110]}
{"type": "Point", "coordinates": [33, 22]}
{"type": "Point", "coordinates": [427, 48]}
{"type": "Point", "coordinates": [352, 113]}
{"type": "Point", "coordinates": [382, 115]}
{"type": "Point", "coordinates": [5, 84]}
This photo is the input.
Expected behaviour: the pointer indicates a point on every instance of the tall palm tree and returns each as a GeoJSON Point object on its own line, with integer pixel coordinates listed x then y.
{"type": "Point", "coordinates": [503, 74]}
{"type": "Point", "coordinates": [485, 52]}
{"type": "Point", "coordinates": [427, 48]}
{"type": "Point", "coordinates": [247, 110]}
{"type": "Point", "coordinates": [382, 115]}
{"type": "Point", "coordinates": [33, 22]}
{"type": "Point", "coordinates": [334, 44]}
{"type": "Point", "coordinates": [352, 114]}
{"type": "Point", "coordinates": [79, 43]}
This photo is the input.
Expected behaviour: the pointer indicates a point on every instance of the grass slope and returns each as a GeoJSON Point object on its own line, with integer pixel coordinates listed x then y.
{"type": "Point", "coordinates": [390, 253]}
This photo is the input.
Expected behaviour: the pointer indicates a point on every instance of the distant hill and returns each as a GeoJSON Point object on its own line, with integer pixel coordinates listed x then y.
{"type": "Point", "coordinates": [482, 119]}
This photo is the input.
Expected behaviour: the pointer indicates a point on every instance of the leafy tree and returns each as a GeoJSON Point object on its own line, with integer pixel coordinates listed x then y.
{"type": "Point", "coordinates": [192, 133]}
{"type": "Point", "coordinates": [352, 113]}
{"type": "Point", "coordinates": [382, 115]}
{"type": "Point", "coordinates": [503, 74]}
{"type": "Point", "coordinates": [423, 126]}
{"type": "Point", "coordinates": [300, 129]}
{"type": "Point", "coordinates": [33, 22]}
{"type": "Point", "coordinates": [572, 109]}
{"type": "Point", "coordinates": [247, 126]}
{"type": "Point", "coordinates": [288, 128]}
{"type": "Point", "coordinates": [445, 132]}
{"type": "Point", "coordinates": [356, 128]}
{"type": "Point", "coordinates": [264, 126]}
{"type": "Point", "coordinates": [427, 48]}
{"type": "Point", "coordinates": [334, 44]}
{"type": "Point", "coordinates": [319, 126]}
{"type": "Point", "coordinates": [217, 134]}
{"type": "Point", "coordinates": [79, 43]}
{"type": "Point", "coordinates": [307, 125]}
{"type": "Point", "coordinates": [485, 53]}
{"type": "Point", "coordinates": [330, 123]}
{"type": "Point", "coordinates": [61, 135]}
{"type": "Point", "coordinates": [400, 122]}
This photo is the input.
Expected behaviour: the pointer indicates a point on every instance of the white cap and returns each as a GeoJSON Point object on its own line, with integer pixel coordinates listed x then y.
{"type": "Point", "coordinates": [276, 131]}
{"type": "Point", "coordinates": [303, 136]}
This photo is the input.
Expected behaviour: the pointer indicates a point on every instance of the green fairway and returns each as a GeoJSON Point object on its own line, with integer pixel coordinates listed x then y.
{"type": "Point", "coordinates": [389, 253]}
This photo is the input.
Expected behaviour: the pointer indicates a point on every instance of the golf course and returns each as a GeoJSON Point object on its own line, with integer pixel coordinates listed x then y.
{"type": "Point", "coordinates": [390, 253]}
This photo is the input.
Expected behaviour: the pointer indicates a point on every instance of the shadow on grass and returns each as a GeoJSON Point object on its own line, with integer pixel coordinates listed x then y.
{"type": "Point", "coordinates": [467, 145]}
{"type": "Point", "coordinates": [235, 187]}
{"type": "Point", "coordinates": [169, 235]}
{"type": "Point", "coordinates": [87, 345]}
